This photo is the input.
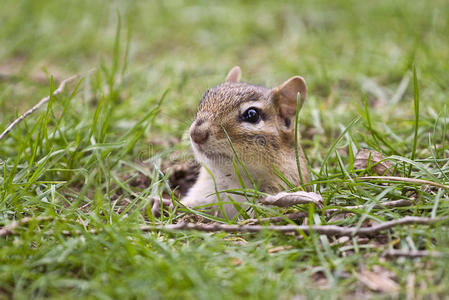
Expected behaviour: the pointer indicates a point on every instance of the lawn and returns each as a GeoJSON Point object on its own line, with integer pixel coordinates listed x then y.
{"type": "Point", "coordinates": [77, 175]}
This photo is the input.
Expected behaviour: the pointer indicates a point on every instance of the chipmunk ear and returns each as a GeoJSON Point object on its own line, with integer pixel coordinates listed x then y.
{"type": "Point", "coordinates": [234, 75]}
{"type": "Point", "coordinates": [287, 94]}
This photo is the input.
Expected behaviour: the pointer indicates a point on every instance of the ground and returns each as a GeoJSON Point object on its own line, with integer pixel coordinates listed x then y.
{"type": "Point", "coordinates": [78, 173]}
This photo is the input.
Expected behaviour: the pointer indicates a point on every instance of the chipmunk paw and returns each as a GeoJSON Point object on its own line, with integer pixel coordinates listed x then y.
{"type": "Point", "coordinates": [158, 206]}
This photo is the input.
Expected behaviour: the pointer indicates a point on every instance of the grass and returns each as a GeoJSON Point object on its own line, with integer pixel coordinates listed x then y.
{"type": "Point", "coordinates": [92, 157]}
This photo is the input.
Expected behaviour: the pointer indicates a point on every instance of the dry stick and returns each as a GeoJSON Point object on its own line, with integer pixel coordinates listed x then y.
{"type": "Point", "coordinates": [34, 108]}
{"type": "Point", "coordinates": [329, 230]}
{"type": "Point", "coordinates": [412, 254]}
{"type": "Point", "coordinates": [403, 179]}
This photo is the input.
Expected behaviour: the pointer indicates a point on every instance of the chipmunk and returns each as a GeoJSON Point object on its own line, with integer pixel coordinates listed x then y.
{"type": "Point", "coordinates": [260, 124]}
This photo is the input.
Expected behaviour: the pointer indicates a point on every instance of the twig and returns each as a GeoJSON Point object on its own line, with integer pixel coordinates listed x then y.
{"type": "Point", "coordinates": [412, 254]}
{"type": "Point", "coordinates": [34, 108]}
{"type": "Point", "coordinates": [403, 179]}
{"type": "Point", "coordinates": [9, 229]}
{"type": "Point", "coordinates": [329, 230]}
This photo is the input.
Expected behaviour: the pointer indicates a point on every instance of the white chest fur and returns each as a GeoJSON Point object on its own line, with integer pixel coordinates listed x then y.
{"type": "Point", "coordinates": [206, 189]}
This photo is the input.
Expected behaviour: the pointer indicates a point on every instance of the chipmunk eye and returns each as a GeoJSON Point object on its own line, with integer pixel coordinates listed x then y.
{"type": "Point", "coordinates": [251, 115]}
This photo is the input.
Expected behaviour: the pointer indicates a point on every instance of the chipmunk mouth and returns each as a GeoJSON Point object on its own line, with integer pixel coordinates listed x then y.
{"type": "Point", "coordinates": [217, 156]}
{"type": "Point", "coordinates": [211, 155]}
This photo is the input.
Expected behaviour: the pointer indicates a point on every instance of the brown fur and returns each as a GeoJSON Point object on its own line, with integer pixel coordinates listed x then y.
{"type": "Point", "coordinates": [261, 147]}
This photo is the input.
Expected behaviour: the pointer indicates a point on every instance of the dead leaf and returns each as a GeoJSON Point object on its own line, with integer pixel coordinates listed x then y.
{"type": "Point", "coordinates": [379, 280]}
{"type": "Point", "coordinates": [319, 280]}
{"type": "Point", "coordinates": [236, 240]}
{"type": "Point", "coordinates": [376, 160]}
{"type": "Point", "coordinates": [196, 219]}
{"type": "Point", "coordinates": [380, 93]}
{"type": "Point", "coordinates": [340, 216]}
{"type": "Point", "coordinates": [369, 223]}
{"type": "Point", "coordinates": [284, 199]}
{"type": "Point", "coordinates": [236, 261]}
{"type": "Point", "coordinates": [341, 241]}
{"type": "Point", "coordinates": [279, 249]}
{"type": "Point", "coordinates": [410, 286]}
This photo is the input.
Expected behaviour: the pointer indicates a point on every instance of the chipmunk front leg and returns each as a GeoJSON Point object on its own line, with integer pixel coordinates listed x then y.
{"type": "Point", "coordinates": [206, 191]}
{"type": "Point", "coordinates": [203, 193]}
{"type": "Point", "coordinates": [159, 205]}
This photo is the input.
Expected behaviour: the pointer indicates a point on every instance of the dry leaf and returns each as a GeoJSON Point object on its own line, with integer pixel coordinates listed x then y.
{"type": "Point", "coordinates": [380, 93]}
{"type": "Point", "coordinates": [319, 280]}
{"type": "Point", "coordinates": [341, 241]}
{"type": "Point", "coordinates": [410, 286]}
{"type": "Point", "coordinates": [369, 223]}
{"type": "Point", "coordinates": [379, 165]}
{"type": "Point", "coordinates": [284, 199]}
{"type": "Point", "coordinates": [340, 216]}
{"type": "Point", "coordinates": [279, 249]}
{"type": "Point", "coordinates": [236, 240]}
{"type": "Point", "coordinates": [363, 240]}
{"type": "Point", "coordinates": [378, 280]}
{"type": "Point", "coordinates": [297, 297]}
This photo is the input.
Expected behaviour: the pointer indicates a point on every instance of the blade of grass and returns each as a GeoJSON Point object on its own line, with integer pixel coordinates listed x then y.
{"type": "Point", "coordinates": [217, 193]}
{"type": "Point", "coordinates": [238, 159]}
{"type": "Point", "coordinates": [298, 110]}
{"type": "Point", "coordinates": [334, 144]}
{"type": "Point", "coordinates": [416, 122]}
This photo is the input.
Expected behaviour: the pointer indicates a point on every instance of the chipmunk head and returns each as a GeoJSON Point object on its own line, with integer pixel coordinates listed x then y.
{"type": "Point", "coordinates": [259, 122]}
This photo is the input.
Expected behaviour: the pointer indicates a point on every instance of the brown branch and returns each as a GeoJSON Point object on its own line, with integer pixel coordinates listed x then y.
{"type": "Point", "coordinates": [329, 230]}
{"type": "Point", "coordinates": [403, 179]}
{"type": "Point", "coordinates": [34, 108]}
{"type": "Point", "coordinates": [412, 254]}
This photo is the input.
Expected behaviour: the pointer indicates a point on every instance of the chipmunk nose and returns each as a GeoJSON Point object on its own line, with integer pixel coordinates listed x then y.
{"type": "Point", "coordinates": [199, 132]}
